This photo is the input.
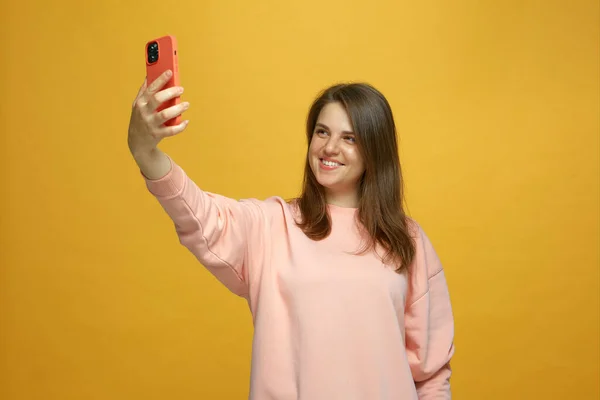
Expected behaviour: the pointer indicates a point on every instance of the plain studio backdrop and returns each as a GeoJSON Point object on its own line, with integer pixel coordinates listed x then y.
{"type": "Point", "coordinates": [497, 107]}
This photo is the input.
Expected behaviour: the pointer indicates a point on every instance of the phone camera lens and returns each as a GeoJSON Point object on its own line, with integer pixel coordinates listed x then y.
{"type": "Point", "coordinates": [153, 52]}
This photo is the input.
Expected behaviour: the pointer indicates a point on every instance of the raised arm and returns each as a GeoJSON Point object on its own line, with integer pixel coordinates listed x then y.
{"type": "Point", "coordinates": [225, 235]}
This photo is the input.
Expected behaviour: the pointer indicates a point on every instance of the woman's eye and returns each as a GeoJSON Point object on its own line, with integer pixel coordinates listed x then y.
{"type": "Point", "coordinates": [321, 132]}
{"type": "Point", "coordinates": [352, 139]}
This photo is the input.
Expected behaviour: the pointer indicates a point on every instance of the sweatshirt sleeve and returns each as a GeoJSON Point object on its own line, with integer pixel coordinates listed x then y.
{"type": "Point", "coordinates": [227, 236]}
{"type": "Point", "coordinates": [429, 324]}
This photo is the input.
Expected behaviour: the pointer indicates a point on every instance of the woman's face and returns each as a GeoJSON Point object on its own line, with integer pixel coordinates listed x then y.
{"type": "Point", "coordinates": [334, 156]}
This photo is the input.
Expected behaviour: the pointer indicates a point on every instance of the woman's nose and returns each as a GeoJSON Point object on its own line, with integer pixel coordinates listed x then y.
{"type": "Point", "coordinates": [332, 145]}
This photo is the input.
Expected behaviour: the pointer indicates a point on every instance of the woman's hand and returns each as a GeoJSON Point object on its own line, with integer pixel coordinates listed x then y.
{"type": "Point", "coordinates": [146, 128]}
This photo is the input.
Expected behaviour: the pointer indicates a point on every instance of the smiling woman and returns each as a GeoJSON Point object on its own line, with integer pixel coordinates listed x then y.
{"type": "Point", "coordinates": [497, 105]}
{"type": "Point", "coordinates": [335, 160]}
{"type": "Point", "coordinates": [329, 323]}
{"type": "Point", "coordinates": [353, 161]}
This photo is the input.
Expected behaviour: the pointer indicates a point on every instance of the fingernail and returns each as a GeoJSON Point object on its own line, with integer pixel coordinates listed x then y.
{"type": "Point", "coordinates": [169, 73]}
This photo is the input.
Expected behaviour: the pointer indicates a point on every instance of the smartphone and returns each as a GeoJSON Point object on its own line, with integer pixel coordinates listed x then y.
{"type": "Point", "coordinates": [161, 55]}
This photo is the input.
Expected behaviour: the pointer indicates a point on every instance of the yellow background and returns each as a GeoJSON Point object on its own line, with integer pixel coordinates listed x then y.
{"type": "Point", "coordinates": [497, 107]}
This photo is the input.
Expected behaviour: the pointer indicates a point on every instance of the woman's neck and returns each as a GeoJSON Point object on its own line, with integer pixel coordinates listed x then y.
{"type": "Point", "coordinates": [343, 200]}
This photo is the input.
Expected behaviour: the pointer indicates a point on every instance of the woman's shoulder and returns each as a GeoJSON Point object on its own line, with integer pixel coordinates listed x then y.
{"type": "Point", "coordinates": [413, 227]}
{"type": "Point", "coordinates": [276, 207]}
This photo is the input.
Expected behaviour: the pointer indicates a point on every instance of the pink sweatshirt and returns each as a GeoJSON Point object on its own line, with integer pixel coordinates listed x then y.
{"type": "Point", "coordinates": [328, 324]}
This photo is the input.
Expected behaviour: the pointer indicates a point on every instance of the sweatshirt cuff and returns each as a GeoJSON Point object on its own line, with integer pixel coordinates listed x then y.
{"type": "Point", "coordinates": [169, 185]}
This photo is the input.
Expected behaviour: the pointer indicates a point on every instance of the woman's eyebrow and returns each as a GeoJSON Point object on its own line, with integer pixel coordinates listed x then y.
{"type": "Point", "coordinates": [327, 128]}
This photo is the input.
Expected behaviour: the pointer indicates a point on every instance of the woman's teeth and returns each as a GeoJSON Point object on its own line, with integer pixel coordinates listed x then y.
{"type": "Point", "coordinates": [331, 163]}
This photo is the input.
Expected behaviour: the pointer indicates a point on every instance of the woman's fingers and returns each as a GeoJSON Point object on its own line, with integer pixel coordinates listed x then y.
{"type": "Point", "coordinates": [164, 95]}
{"type": "Point", "coordinates": [170, 113]}
{"type": "Point", "coordinates": [150, 94]}
{"type": "Point", "coordinates": [167, 131]}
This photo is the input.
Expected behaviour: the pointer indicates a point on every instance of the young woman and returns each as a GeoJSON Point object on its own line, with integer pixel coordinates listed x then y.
{"type": "Point", "coordinates": [348, 297]}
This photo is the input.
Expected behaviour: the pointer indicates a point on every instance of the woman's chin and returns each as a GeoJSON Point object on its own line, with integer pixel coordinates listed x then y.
{"type": "Point", "coordinates": [328, 184]}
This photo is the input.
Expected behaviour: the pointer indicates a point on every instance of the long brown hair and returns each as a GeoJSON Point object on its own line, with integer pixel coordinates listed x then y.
{"type": "Point", "coordinates": [380, 210]}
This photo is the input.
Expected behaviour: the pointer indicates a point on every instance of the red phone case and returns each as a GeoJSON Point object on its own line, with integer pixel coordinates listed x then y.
{"type": "Point", "coordinates": [167, 59]}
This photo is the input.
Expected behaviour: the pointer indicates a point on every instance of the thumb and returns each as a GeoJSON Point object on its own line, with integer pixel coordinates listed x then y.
{"type": "Point", "coordinates": [142, 89]}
